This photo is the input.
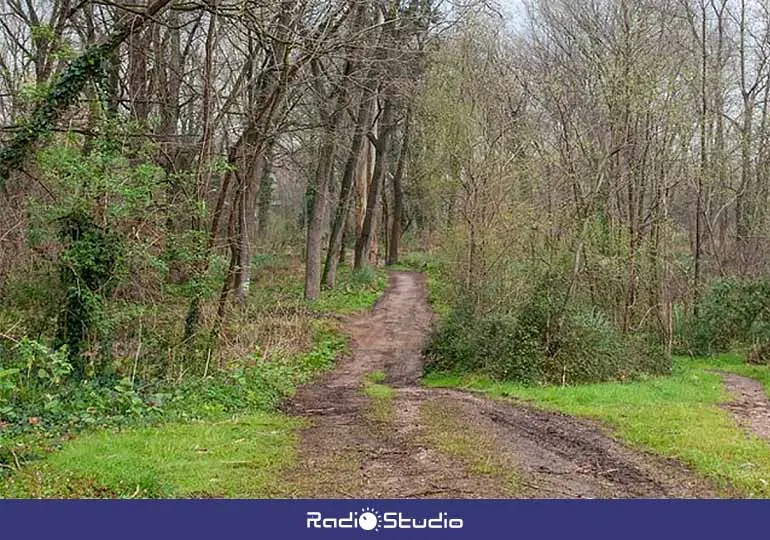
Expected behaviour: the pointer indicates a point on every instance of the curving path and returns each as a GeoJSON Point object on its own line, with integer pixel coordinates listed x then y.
{"type": "Point", "coordinates": [354, 447]}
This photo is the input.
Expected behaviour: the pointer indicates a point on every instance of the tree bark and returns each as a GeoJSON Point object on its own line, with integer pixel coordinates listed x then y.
{"type": "Point", "coordinates": [317, 215]}
{"type": "Point", "coordinates": [398, 194]}
{"type": "Point", "coordinates": [382, 147]}
{"type": "Point", "coordinates": [336, 238]}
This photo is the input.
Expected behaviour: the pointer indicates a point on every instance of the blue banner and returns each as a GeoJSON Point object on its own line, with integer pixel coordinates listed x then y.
{"type": "Point", "coordinates": [451, 519]}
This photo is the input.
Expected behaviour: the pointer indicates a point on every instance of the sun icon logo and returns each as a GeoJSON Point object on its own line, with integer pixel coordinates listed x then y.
{"type": "Point", "coordinates": [369, 520]}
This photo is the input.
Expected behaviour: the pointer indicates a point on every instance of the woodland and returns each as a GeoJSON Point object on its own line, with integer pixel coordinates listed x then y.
{"type": "Point", "coordinates": [194, 194]}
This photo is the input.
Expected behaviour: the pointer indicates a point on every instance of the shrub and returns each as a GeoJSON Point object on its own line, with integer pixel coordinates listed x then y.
{"type": "Point", "coordinates": [732, 313]}
{"type": "Point", "coordinates": [534, 345]}
{"type": "Point", "coordinates": [509, 349]}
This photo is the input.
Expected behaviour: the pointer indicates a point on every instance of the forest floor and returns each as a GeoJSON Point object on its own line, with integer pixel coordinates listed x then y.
{"type": "Point", "coordinates": [374, 432]}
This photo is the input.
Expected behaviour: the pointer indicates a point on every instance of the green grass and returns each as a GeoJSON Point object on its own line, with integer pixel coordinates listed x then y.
{"type": "Point", "coordinates": [280, 283]}
{"type": "Point", "coordinates": [374, 387]}
{"type": "Point", "coordinates": [207, 437]}
{"type": "Point", "coordinates": [376, 377]}
{"type": "Point", "coordinates": [381, 396]}
{"type": "Point", "coordinates": [355, 290]}
{"type": "Point", "coordinates": [677, 416]}
{"type": "Point", "coordinates": [378, 391]}
{"type": "Point", "coordinates": [735, 363]}
{"type": "Point", "coordinates": [236, 457]}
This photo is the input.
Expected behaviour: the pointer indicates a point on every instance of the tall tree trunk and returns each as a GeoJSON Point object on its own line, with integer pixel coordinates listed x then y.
{"type": "Point", "coordinates": [320, 186]}
{"type": "Point", "coordinates": [138, 49]}
{"type": "Point", "coordinates": [265, 195]}
{"type": "Point", "coordinates": [382, 147]}
{"type": "Point", "coordinates": [247, 226]}
{"type": "Point", "coordinates": [363, 119]}
{"type": "Point", "coordinates": [320, 190]}
{"type": "Point", "coordinates": [398, 193]}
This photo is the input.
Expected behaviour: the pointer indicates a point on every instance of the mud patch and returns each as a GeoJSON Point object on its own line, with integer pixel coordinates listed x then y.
{"type": "Point", "coordinates": [560, 456]}
{"type": "Point", "coordinates": [750, 405]}
{"type": "Point", "coordinates": [447, 429]}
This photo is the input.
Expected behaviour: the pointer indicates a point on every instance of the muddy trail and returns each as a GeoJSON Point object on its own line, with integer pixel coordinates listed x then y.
{"type": "Point", "coordinates": [749, 405]}
{"type": "Point", "coordinates": [416, 442]}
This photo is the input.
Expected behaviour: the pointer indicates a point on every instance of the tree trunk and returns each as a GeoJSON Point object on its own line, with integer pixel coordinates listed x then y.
{"type": "Point", "coordinates": [382, 146]}
{"type": "Point", "coordinates": [317, 214]}
{"type": "Point", "coordinates": [336, 238]}
{"type": "Point", "coordinates": [265, 196]}
{"type": "Point", "coordinates": [247, 224]}
{"type": "Point", "coordinates": [398, 194]}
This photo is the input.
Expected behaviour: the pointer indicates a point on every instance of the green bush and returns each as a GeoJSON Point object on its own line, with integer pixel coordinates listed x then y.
{"type": "Point", "coordinates": [509, 349]}
{"type": "Point", "coordinates": [592, 350]}
{"type": "Point", "coordinates": [535, 345]}
{"type": "Point", "coordinates": [733, 313]}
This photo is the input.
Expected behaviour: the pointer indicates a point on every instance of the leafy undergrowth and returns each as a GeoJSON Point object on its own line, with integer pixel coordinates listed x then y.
{"type": "Point", "coordinates": [281, 288]}
{"type": "Point", "coordinates": [677, 416]}
{"type": "Point", "coordinates": [129, 432]}
{"type": "Point", "coordinates": [212, 435]}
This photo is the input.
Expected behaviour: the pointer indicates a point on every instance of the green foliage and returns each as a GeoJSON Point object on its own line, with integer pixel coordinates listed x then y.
{"type": "Point", "coordinates": [30, 300]}
{"type": "Point", "coordinates": [415, 260]}
{"type": "Point", "coordinates": [497, 345]}
{"type": "Point", "coordinates": [88, 67]}
{"type": "Point", "coordinates": [90, 225]}
{"type": "Point", "coordinates": [38, 400]}
{"type": "Point", "coordinates": [355, 290]}
{"type": "Point", "coordinates": [732, 313]}
{"type": "Point", "coordinates": [263, 385]}
{"type": "Point", "coordinates": [88, 266]}
{"type": "Point", "coordinates": [594, 350]}
{"type": "Point", "coordinates": [542, 341]}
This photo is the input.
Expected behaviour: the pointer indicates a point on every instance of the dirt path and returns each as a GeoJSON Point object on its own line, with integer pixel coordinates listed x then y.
{"type": "Point", "coordinates": [423, 442]}
{"type": "Point", "coordinates": [750, 406]}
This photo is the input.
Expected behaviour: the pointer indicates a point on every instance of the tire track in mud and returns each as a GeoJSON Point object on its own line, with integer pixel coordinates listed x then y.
{"type": "Point", "coordinates": [347, 452]}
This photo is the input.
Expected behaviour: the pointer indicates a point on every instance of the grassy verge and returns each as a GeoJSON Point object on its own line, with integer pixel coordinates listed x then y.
{"type": "Point", "coordinates": [677, 416]}
{"type": "Point", "coordinates": [356, 290]}
{"type": "Point", "coordinates": [735, 363]}
{"type": "Point", "coordinates": [210, 436]}
{"type": "Point", "coordinates": [235, 457]}
{"type": "Point", "coordinates": [447, 433]}
{"type": "Point", "coordinates": [216, 438]}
